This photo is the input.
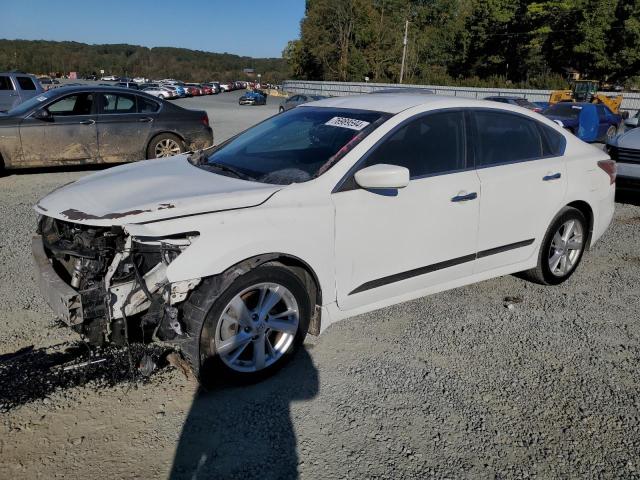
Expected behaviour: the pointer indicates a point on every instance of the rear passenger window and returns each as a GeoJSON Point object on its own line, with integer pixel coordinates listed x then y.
{"type": "Point", "coordinates": [112, 103]}
{"type": "Point", "coordinates": [505, 138]}
{"type": "Point", "coordinates": [26, 83]}
{"type": "Point", "coordinates": [5, 83]}
{"type": "Point", "coordinates": [147, 106]}
{"type": "Point", "coordinates": [430, 145]}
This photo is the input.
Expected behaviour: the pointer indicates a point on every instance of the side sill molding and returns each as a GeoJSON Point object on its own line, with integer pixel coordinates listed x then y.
{"type": "Point", "coordinates": [397, 277]}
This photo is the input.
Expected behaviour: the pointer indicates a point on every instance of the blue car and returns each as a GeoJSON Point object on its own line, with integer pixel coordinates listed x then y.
{"type": "Point", "coordinates": [256, 97]}
{"type": "Point", "coordinates": [590, 122]}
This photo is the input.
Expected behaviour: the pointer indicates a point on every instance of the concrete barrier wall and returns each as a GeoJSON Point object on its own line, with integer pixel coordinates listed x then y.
{"type": "Point", "coordinates": [631, 101]}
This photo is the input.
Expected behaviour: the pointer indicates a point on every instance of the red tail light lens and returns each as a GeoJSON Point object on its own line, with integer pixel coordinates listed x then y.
{"type": "Point", "coordinates": [205, 120]}
{"type": "Point", "coordinates": [609, 166]}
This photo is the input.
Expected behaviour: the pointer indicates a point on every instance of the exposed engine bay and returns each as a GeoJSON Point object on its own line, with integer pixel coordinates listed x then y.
{"type": "Point", "coordinates": [121, 280]}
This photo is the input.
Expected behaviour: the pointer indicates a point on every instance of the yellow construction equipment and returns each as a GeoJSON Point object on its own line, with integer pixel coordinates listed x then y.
{"type": "Point", "coordinates": [586, 91]}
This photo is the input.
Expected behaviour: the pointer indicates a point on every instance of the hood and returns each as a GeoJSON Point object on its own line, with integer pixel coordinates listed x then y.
{"type": "Point", "coordinates": [150, 190]}
{"type": "Point", "coordinates": [629, 139]}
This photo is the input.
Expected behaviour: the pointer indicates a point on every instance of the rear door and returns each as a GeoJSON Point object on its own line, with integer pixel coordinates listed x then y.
{"type": "Point", "coordinates": [69, 136]}
{"type": "Point", "coordinates": [124, 125]}
{"type": "Point", "coordinates": [8, 93]}
{"type": "Point", "coordinates": [523, 182]}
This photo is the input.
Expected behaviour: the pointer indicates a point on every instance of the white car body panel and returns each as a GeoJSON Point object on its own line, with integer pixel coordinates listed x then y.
{"type": "Point", "coordinates": [150, 191]}
{"type": "Point", "coordinates": [349, 238]}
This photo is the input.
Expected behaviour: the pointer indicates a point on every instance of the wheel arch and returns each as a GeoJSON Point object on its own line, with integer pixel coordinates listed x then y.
{"type": "Point", "coordinates": [299, 267]}
{"type": "Point", "coordinates": [587, 211]}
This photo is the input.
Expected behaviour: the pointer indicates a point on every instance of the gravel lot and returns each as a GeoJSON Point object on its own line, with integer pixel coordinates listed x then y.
{"type": "Point", "coordinates": [503, 379]}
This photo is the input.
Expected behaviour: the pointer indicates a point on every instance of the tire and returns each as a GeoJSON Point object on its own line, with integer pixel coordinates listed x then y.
{"type": "Point", "coordinates": [168, 143]}
{"type": "Point", "coordinates": [223, 348]}
{"type": "Point", "coordinates": [548, 272]}
{"type": "Point", "coordinates": [611, 132]}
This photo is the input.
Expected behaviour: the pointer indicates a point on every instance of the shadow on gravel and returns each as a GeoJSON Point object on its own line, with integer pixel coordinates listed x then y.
{"type": "Point", "coordinates": [630, 198]}
{"type": "Point", "coordinates": [246, 432]}
{"type": "Point", "coordinates": [33, 374]}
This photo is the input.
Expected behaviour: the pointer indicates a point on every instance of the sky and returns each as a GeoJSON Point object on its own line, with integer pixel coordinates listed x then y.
{"type": "Point", "coordinates": [243, 27]}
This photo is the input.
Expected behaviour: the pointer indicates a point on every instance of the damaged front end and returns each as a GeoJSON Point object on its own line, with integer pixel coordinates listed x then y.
{"type": "Point", "coordinates": [108, 285]}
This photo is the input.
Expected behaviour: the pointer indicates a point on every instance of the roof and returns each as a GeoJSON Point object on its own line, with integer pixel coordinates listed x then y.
{"type": "Point", "coordinates": [395, 102]}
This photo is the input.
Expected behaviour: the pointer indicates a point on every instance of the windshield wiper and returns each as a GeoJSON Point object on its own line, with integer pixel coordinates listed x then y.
{"type": "Point", "coordinates": [227, 168]}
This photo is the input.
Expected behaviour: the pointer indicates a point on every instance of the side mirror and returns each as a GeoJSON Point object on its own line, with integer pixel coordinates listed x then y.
{"type": "Point", "coordinates": [382, 176]}
{"type": "Point", "coordinates": [42, 114]}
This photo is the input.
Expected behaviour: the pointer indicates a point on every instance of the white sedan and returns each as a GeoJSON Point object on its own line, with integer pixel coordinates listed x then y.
{"type": "Point", "coordinates": [332, 209]}
{"type": "Point", "coordinates": [159, 92]}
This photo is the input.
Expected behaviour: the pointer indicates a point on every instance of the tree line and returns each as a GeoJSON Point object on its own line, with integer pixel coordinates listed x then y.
{"type": "Point", "coordinates": [469, 42]}
{"type": "Point", "coordinates": [46, 57]}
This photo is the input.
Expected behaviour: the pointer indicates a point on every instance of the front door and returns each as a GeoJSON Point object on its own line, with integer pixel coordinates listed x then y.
{"type": "Point", "coordinates": [68, 136]}
{"type": "Point", "coordinates": [124, 126]}
{"type": "Point", "coordinates": [392, 243]}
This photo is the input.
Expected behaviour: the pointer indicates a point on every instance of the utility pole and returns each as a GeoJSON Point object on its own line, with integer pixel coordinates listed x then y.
{"type": "Point", "coordinates": [404, 48]}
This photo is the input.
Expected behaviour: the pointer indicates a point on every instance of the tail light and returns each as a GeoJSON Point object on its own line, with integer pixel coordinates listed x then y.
{"type": "Point", "coordinates": [609, 166]}
{"type": "Point", "coordinates": [205, 120]}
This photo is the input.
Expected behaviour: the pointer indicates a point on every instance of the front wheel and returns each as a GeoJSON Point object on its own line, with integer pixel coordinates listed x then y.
{"type": "Point", "coordinates": [252, 328]}
{"type": "Point", "coordinates": [562, 248]}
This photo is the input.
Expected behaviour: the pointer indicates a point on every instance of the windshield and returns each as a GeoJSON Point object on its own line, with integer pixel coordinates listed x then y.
{"type": "Point", "coordinates": [33, 102]}
{"type": "Point", "coordinates": [567, 110]}
{"type": "Point", "coordinates": [293, 147]}
{"type": "Point", "coordinates": [521, 102]}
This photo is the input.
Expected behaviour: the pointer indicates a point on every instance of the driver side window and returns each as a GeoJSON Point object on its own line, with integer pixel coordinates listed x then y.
{"type": "Point", "coordinates": [78, 104]}
{"type": "Point", "coordinates": [432, 144]}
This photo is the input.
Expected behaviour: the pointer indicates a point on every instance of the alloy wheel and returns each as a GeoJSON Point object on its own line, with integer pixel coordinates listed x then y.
{"type": "Point", "coordinates": [257, 327]}
{"type": "Point", "coordinates": [566, 248]}
{"type": "Point", "coordinates": [167, 147]}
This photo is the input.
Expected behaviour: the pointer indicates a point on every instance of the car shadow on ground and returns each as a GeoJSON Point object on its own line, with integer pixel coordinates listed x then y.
{"type": "Point", "coordinates": [246, 432]}
{"type": "Point", "coordinates": [630, 198]}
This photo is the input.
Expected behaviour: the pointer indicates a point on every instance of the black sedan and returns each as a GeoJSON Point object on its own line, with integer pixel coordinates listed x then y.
{"type": "Point", "coordinates": [77, 125]}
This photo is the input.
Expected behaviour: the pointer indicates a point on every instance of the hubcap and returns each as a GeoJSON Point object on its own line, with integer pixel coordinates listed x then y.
{"type": "Point", "coordinates": [257, 327]}
{"type": "Point", "coordinates": [167, 148]}
{"type": "Point", "coordinates": [566, 247]}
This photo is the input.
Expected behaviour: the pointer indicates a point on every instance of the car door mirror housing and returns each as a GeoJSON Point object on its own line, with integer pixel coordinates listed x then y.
{"type": "Point", "coordinates": [42, 114]}
{"type": "Point", "coordinates": [382, 176]}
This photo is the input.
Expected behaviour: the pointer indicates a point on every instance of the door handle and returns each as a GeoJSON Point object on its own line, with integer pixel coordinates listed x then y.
{"type": "Point", "coordinates": [87, 122]}
{"type": "Point", "coordinates": [465, 197]}
{"type": "Point", "coordinates": [145, 119]}
{"type": "Point", "coordinates": [554, 176]}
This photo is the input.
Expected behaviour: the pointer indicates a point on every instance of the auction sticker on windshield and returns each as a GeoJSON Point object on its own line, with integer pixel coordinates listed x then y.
{"type": "Point", "coordinates": [350, 123]}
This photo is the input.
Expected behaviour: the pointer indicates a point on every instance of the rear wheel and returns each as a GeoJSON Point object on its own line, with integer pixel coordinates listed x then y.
{"type": "Point", "coordinates": [165, 145]}
{"type": "Point", "coordinates": [251, 329]}
{"type": "Point", "coordinates": [562, 248]}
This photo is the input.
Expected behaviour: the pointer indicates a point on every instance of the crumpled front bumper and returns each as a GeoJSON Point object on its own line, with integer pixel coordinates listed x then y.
{"type": "Point", "coordinates": [63, 299]}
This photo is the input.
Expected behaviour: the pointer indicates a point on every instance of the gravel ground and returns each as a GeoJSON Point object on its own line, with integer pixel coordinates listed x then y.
{"type": "Point", "coordinates": [502, 379]}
